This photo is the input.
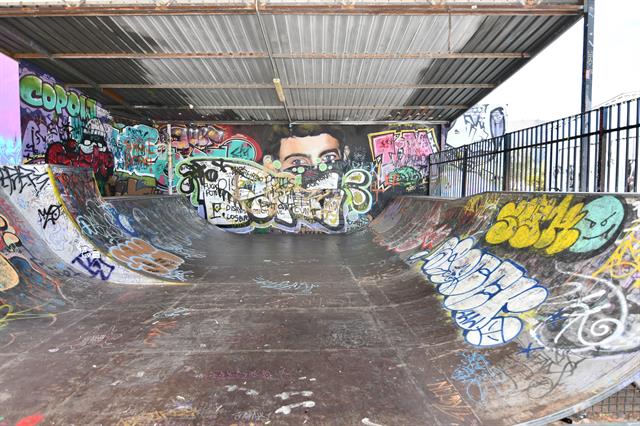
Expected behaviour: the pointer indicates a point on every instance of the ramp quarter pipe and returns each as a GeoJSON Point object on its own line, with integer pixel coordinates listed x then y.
{"type": "Point", "coordinates": [494, 309]}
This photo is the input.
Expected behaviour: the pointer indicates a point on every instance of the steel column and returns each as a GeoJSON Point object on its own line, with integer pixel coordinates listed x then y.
{"type": "Point", "coordinates": [587, 84]}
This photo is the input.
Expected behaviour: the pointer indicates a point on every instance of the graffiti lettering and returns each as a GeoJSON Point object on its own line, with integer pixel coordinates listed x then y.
{"type": "Point", "coordinates": [401, 156]}
{"type": "Point", "coordinates": [17, 179]}
{"type": "Point", "coordinates": [286, 286]}
{"type": "Point", "coordinates": [480, 290]}
{"type": "Point", "coordinates": [242, 196]}
{"type": "Point", "coordinates": [94, 265]}
{"type": "Point", "coordinates": [542, 224]}
{"type": "Point", "coordinates": [53, 97]}
{"type": "Point", "coordinates": [479, 376]}
{"type": "Point", "coordinates": [49, 215]}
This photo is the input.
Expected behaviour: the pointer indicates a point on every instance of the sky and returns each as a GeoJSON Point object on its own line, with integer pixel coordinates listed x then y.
{"type": "Point", "coordinates": [549, 86]}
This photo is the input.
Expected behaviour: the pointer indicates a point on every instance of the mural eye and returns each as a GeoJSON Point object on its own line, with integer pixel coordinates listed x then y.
{"type": "Point", "coordinates": [330, 158]}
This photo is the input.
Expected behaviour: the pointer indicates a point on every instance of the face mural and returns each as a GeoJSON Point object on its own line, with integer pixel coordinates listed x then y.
{"type": "Point", "coordinates": [328, 179]}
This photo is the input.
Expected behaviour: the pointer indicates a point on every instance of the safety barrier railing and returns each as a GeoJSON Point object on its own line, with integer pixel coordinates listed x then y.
{"type": "Point", "coordinates": [592, 152]}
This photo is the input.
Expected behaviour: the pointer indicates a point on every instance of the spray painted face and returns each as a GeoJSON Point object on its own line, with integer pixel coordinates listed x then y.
{"type": "Point", "coordinates": [86, 144]}
{"type": "Point", "coordinates": [600, 225]}
{"type": "Point", "coordinates": [89, 142]}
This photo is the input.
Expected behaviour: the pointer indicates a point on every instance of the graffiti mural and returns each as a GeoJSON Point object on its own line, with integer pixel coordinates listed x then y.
{"type": "Point", "coordinates": [484, 121]}
{"type": "Point", "coordinates": [485, 294]}
{"type": "Point", "coordinates": [401, 157]}
{"type": "Point", "coordinates": [10, 139]}
{"type": "Point", "coordinates": [242, 195]}
{"type": "Point", "coordinates": [62, 126]}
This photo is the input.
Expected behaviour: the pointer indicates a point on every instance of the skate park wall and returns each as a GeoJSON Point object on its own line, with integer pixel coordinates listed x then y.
{"type": "Point", "coordinates": [245, 178]}
{"type": "Point", "coordinates": [562, 267]}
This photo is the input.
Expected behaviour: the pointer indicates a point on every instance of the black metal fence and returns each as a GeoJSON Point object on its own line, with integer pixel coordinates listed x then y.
{"type": "Point", "coordinates": [592, 152]}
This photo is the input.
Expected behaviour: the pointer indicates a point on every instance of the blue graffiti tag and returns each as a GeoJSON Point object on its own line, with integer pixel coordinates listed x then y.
{"type": "Point", "coordinates": [94, 265]}
{"type": "Point", "coordinates": [477, 373]}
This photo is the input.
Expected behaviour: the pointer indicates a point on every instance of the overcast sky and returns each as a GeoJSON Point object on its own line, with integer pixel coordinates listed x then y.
{"type": "Point", "coordinates": [549, 86]}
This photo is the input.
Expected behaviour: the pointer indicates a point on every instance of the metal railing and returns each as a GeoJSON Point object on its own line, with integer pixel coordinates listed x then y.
{"type": "Point", "coordinates": [592, 152]}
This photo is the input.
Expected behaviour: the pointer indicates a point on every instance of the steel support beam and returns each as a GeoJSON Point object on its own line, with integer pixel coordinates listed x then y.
{"type": "Point", "coordinates": [218, 86]}
{"type": "Point", "coordinates": [301, 107]}
{"type": "Point", "coordinates": [587, 55]}
{"type": "Point", "coordinates": [314, 8]}
{"type": "Point", "coordinates": [265, 55]}
{"type": "Point", "coordinates": [587, 85]}
{"type": "Point", "coordinates": [88, 81]}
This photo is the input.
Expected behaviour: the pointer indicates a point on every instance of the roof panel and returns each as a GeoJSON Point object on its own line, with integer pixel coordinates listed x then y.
{"type": "Point", "coordinates": [377, 60]}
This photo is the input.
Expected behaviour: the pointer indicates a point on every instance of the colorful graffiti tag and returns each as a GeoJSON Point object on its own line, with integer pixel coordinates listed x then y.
{"type": "Point", "coordinates": [544, 224]}
{"type": "Point", "coordinates": [401, 157]}
{"type": "Point", "coordinates": [61, 126]}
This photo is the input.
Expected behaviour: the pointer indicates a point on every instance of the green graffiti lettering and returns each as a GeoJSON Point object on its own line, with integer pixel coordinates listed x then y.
{"type": "Point", "coordinates": [61, 98]}
{"type": "Point", "coordinates": [91, 107]}
{"type": "Point", "coordinates": [31, 90]}
{"type": "Point", "coordinates": [83, 107]}
{"type": "Point", "coordinates": [73, 104]}
{"type": "Point", "coordinates": [48, 97]}
{"type": "Point", "coordinates": [53, 97]}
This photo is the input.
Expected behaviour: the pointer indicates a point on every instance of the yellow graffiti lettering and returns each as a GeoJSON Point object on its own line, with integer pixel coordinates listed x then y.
{"type": "Point", "coordinates": [624, 262]}
{"type": "Point", "coordinates": [538, 223]}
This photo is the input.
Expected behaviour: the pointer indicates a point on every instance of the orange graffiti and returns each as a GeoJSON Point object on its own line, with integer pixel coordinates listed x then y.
{"type": "Point", "coordinates": [449, 400]}
{"type": "Point", "coordinates": [141, 256]}
{"type": "Point", "coordinates": [158, 330]}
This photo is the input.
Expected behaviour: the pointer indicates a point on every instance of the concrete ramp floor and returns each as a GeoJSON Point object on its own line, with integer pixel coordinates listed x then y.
{"type": "Point", "coordinates": [495, 309]}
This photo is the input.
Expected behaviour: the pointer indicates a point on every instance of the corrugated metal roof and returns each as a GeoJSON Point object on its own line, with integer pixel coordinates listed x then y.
{"type": "Point", "coordinates": [335, 67]}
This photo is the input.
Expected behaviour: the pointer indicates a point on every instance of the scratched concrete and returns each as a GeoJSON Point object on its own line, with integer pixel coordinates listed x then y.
{"type": "Point", "coordinates": [286, 329]}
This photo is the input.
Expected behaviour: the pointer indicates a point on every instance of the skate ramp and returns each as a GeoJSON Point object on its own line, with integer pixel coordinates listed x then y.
{"type": "Point", "coordinates": [495, 309]}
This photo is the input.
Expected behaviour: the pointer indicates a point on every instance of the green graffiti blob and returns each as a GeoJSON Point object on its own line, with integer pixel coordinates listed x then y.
{"type": "Point", "coordinates": [601, 224]}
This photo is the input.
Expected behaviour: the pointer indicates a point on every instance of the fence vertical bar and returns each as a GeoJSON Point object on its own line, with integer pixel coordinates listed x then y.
{"type": "Point", "coordinates": [600, 168]}
{"type": "Point", "coordinates": [465, 157]}
{"type": "Point", "coordinates": [170, 160]}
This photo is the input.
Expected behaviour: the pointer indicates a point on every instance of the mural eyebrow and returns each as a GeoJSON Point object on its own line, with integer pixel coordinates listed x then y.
{"type": "Point", "coordinates": [330, 151]}
{"type": "Point", "coordinates": [297, 154]}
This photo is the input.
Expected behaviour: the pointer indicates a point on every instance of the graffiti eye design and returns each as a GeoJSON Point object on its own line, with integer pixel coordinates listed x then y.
{"type": "Point", "coordinates": [330, 158]}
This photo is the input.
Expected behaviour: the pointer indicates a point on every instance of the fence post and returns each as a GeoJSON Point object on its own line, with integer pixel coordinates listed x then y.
{"type": "Point", "coordinates": [506, 161]}
{"type": "Point", "coordinates": [429, 175]}
{"type": "Point", "coordinates": [464, 170]}
{"type": "Point", "coordinates": [170, 159]}
{"type": "Point", "coordinates": [602, 158]}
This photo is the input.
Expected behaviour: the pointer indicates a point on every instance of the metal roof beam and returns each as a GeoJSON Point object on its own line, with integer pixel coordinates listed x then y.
{"type": "Point", "coordinates": [68, 68]}
{"type": "Point", "coordinates": [300, 107]}
{"type": "Point", "coordinates": [265, 55]}
{"type": "Point", "coordinates": [217, 86]}
{"type": "Point", "coordinates": [315, 8]}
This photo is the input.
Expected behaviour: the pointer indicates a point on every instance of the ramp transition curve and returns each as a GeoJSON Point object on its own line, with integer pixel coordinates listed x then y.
{"type": "Point", "coordinates": [495, 309]}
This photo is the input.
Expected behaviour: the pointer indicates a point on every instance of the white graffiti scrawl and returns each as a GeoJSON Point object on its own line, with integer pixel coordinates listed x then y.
{"type": "Point", "coordinates": [484, 293]}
